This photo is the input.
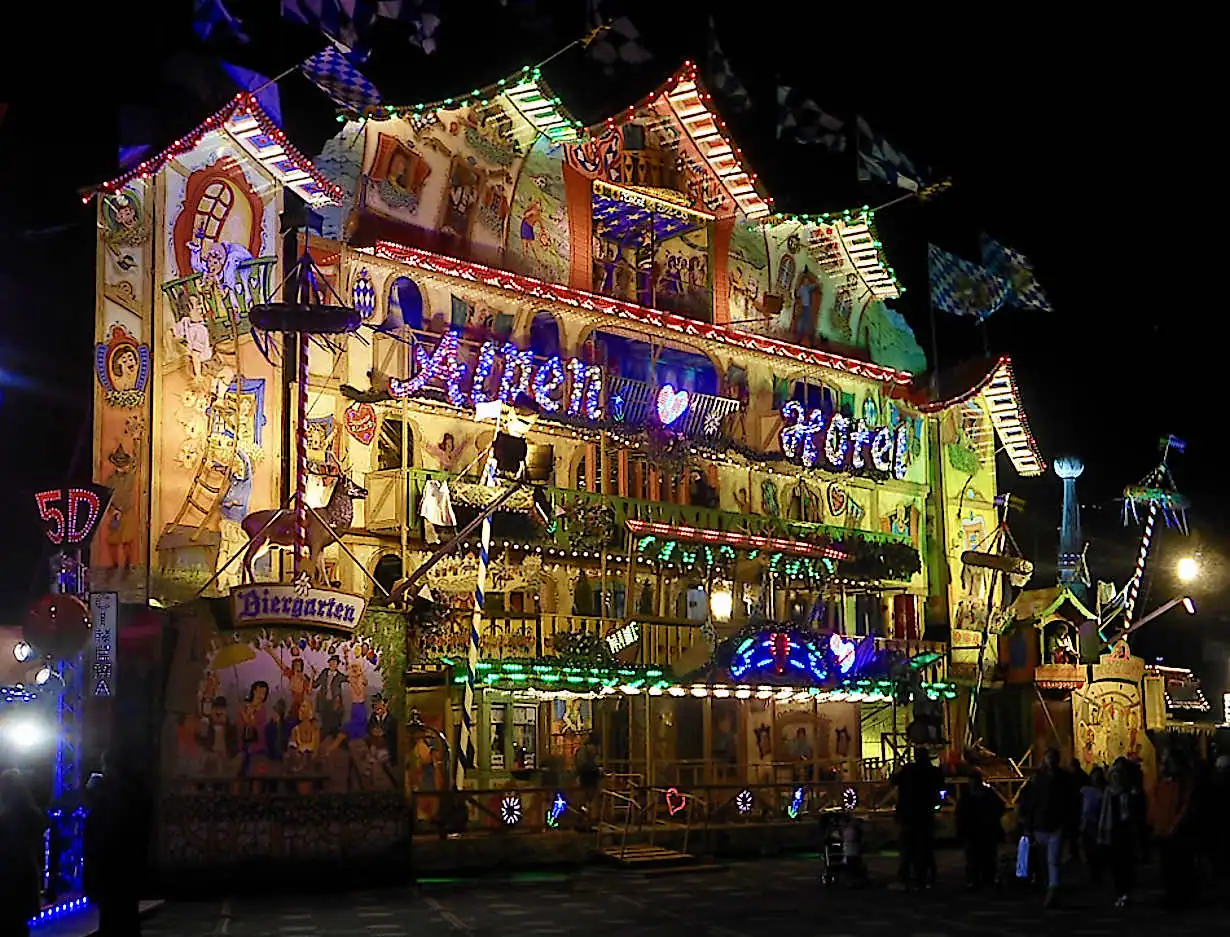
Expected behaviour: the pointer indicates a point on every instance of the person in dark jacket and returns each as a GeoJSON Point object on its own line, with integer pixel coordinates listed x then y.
{"type": "Point", "coordinates": [1044, 811]}
{"type": "Point", "coordinates": [1079, 779]}
{"type": "Point", "coordinates": [117, 830]}
{"type": "Point", "coordinates": [21, 842]}
{"type": "Point", "coordinates": [918, 794]}
{"type": "Point", "coordinates": [1091, 815]}
{"type": "Point", "coordinates": [980, 813]}
{"type": "Point", "coordinates": [1121, 816]}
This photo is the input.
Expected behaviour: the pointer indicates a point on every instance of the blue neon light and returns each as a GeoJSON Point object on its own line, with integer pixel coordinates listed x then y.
{"type": "Point", "coordinates": [57, 911]}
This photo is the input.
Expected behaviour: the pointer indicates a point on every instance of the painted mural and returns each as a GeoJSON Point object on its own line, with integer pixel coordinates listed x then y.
{"type": "Point", "coordinates": [123, 371]}
{"type": "Point", "coordinates": [451, 175]}
{"type": "Point", "coordinates": [822, 297]}
{"type": "Point", "coordinates": [1108, 713]}
{"type": "Point", "coordinates": [747, 273]}
{"type": "Point", "coordinates": [279, 710]}
{"type": "Point", "coordinates": [215, 450]}
{"type": "Point", "coordinates": [538, 240]}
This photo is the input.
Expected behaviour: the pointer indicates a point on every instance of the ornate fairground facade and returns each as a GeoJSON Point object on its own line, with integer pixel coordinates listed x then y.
{"type": "Point", "coordinates": [737, 565]}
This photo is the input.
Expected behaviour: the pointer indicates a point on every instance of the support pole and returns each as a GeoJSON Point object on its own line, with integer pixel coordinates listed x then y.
{"type": "Point", "coordinates": [1146, 541]}
{"type": "Point", "coordinates": [301, 515]}
{"type": "Point", "coordinates": [480, 587]}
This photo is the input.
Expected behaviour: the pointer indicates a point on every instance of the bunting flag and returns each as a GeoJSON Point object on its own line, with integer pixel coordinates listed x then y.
{"type": "Point", "coordinates": [962, 288]}
{"type": "Point", "coordinates": [210, 17]}
{"type": "Point", "coordinates": [1013, 266]}
{"type": "Point", "coordinates": [349, 23]}
{"type": "Point", "coordinates": [804, 122]}
{"type": "Point", "coordinates": [723, 78]}
{"type": "Point", "coordinates": [878, 161]}
{"type": "Point", "coordinates": [614, 41]}
{"type": "Point", "coordinates": [333, 74]}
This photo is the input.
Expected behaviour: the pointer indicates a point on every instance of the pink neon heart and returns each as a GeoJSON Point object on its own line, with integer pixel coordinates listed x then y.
{"type": "Point", "coordinates": [672, 404]}
{"type": "Point", "coordinates": [675, 801]}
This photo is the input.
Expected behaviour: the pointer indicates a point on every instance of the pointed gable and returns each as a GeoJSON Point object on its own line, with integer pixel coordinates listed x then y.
{"type": "Point", "coordinates": [254, 132]}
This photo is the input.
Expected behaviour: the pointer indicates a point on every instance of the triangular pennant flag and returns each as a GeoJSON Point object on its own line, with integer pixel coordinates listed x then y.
{"type": "Point", "coordinates": [614, 41]}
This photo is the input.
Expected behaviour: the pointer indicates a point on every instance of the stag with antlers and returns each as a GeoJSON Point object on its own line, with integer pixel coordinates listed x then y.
{"type": "Point", "coordinates": [277, 528]}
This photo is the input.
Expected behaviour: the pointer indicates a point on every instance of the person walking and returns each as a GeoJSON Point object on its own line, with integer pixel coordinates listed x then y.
{"type": "Point", "coordinates": [117, 830]}
{"type": "Point", "coordinates": [1169, 817]}
{"type": "Point", "coordinates": [918, 794]}
{"type": "Point", "coordinates": [1078, 779]}
{"type": "Point", "coordinates": [1091, 816]}
{"type": "Point", "coordinates": [1121, 815]}
{"type": "Point", "coordinates": [589, 779]}
{"type": "Point", "coordinates": [1044, 812]}
{"type": "Point", "coordinates": [980, 813]}
{"type": "Point", "coordinates": [21, 841]}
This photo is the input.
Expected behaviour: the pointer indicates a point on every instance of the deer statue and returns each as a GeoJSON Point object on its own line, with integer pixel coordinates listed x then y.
{"type": "Point", "coordinates": [337, 513]}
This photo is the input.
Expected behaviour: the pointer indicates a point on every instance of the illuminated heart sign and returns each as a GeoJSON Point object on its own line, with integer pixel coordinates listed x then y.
{"type": "Point", "coordinates": [675, 801]}
{"type": "Point", "coordinates": [843, 651]}
{"type": "Point", "coordinates": [672, 404]}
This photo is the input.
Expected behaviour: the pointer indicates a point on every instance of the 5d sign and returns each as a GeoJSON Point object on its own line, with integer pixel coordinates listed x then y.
{"type": "Point", "coordinates": [72, 514]}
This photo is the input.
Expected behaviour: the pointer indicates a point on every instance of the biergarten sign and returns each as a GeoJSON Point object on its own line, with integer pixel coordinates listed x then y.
{"type": "Point", "coordinates": [293, 606]}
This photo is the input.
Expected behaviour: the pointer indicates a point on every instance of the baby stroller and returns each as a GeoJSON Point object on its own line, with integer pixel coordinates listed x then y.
{"type": "Point", "coordinates": [841, 847]}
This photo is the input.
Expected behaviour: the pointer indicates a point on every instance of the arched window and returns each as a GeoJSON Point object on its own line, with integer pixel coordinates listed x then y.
{"type": "Point", "coordinates": [405, 306]}
{"type": "Point", "coordinates": [211, 211]}
{"type": "Point", "coordinates": [544, 335]}
{"type": "Point", "coordinates": [388, 571]}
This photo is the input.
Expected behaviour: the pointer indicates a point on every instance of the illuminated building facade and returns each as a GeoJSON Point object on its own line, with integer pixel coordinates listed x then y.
{"type": "Point", "coordinates": [729, 446]}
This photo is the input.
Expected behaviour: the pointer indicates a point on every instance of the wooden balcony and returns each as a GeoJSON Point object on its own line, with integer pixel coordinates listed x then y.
{"type": "Point", "coordinates": [385, 510]}
{"type": "Point", "coordinates": [531, 636]}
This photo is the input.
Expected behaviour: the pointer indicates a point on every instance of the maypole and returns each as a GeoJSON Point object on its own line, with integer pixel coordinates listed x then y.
{"type": "Point", "coordinates": [301, 470]}
{"type": "Point", "coordinates": [466, 753]}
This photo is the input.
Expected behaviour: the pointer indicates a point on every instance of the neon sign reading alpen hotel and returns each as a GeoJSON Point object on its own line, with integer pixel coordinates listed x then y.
{"type": "Point", "coordinates": [843, 444]}
{"type": "Point", "coordinates": [553, 384]}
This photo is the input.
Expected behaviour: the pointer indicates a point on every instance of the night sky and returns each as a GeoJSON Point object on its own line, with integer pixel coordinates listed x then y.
{"type": "Point", "coordinates": [1054, 138]}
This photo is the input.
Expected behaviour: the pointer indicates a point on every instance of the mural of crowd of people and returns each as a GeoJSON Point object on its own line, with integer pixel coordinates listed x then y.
{"type": "Point", "coordinates": [308, 708]}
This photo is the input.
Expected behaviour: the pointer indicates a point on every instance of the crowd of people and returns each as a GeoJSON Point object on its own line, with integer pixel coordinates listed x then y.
{"type": "Point", "coordinates": [1075, 828]}
{"type": "Point", "coordinates": [116, 834]}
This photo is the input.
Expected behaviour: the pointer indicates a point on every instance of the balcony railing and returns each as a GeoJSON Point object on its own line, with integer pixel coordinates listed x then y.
{"type": "Point", "coordinates": [226, 309]}
{"type": "Point", "coordinates": [624, 509]}
{"type": "Point", "coordinates": [530, 636]}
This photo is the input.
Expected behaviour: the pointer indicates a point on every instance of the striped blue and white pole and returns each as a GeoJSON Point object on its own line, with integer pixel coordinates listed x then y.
{"type": "Point", "coordinates": [1146, 541]}
{"type": "Point", "coordinates": [466, 754]}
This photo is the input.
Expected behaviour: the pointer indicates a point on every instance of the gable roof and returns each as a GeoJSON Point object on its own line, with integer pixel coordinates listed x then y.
{"type": "Point", "coordinates": [998, 389]}
{"type": "Point", "coordinates": [254, 132]}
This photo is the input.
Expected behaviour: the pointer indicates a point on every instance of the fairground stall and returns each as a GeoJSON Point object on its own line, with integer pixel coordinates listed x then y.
{"type": "Point", "coordinates": [725, 565]}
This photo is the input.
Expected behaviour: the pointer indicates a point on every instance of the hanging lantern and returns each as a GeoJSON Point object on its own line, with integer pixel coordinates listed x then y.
{"type": "Point", "coordinates": [57, 625]}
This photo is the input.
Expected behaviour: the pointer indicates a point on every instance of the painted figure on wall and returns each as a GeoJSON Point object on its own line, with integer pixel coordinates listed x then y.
{"type": "Point", "coordinates": [538, 240]}
{"type": "Point", "coordinates": [126, 225]}
{"type": "Point", "coordinates": [218, 263]}
{"type": "Point", "coordinates": [123, 368]}
{"type": "Point", "coordinates": [190, 333]}
{"type": "Point", "coordinates": [807, 295]}
{"type": "Point", "coordinates": [463, 185]}
{"type": "Point", "coordinates": [233, 509]}
{"type": "Point", "coordinates": [399, 174]}
{"type": "Point", "coordinates": [308, 707]}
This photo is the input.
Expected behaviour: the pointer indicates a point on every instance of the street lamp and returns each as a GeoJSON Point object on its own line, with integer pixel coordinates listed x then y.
{"type": "Point", "coordinates": [1188, 569]}
{"type": "Point", "coordinates": [1185, 600]}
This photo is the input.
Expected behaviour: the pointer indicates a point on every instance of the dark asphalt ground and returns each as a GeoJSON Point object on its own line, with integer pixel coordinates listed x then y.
{"type": "Point", "coordinates": [768, 896]}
